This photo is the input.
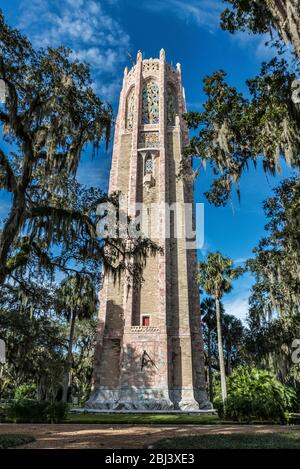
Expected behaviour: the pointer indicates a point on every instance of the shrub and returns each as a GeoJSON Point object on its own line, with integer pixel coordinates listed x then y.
{"type": "Point", "coordinates": [254, 394]}
{"type": "Point", "coordinates": [25, 391]}
{"type": "Point", "coordinates": [8, 441]}
{"type": "Point", "coordinates": [57, 411]}
{"type": "Point", "coordinates": [30, 411]}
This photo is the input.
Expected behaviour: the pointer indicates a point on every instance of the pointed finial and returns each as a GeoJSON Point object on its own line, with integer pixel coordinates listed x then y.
{"type": "Point", "coordinates": [178, 67]}
{"type": "Point", "coordinates": [162, 54]}
{"type": "Point", "coordinates": [139, 56]}
{"type": "Point", "coordinates": [125, 71]}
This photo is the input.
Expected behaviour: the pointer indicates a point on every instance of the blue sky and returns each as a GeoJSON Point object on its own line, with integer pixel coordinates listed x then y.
{"type": "Point", "coordinates": [103, 33]}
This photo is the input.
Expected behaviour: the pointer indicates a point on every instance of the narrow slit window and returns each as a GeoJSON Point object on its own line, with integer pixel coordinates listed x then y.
{"type": "Point", "coordinates": [146, 320]}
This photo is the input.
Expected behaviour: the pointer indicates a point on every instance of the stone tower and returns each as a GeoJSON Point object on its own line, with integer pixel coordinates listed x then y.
{"type": "Point", "coordinates": [149, 351]}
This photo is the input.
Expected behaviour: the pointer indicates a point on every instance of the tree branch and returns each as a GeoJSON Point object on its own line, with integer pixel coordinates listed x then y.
{"type": "Point", "coordinates": [11, 179]}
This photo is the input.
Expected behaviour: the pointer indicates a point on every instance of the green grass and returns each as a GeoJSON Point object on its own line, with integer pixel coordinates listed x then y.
{"type": "Point", "coordinates": [141, 419]}
{"type": "Point", "coordinates": [160, 419]}
{"type": "Point", "coordinates": [289, 440]}
{"type": "Point", "coordinates": [9, 441]}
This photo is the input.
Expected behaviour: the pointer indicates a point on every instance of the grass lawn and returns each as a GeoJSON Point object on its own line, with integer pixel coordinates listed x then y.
{"type": "Point", "coordinates": [289, 440]}
{"type": "Point", "coordinates": [9, 441]}
{"type": "Point", "coordinates": [161, 419]}
{"type": "Point", "coordinates": [141, 419]}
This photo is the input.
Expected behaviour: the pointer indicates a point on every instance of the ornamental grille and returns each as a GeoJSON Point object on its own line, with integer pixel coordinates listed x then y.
{"type": "Point", "coordinates": [148, 165]}
{"type": "Point", "coordinates": [150, 110]}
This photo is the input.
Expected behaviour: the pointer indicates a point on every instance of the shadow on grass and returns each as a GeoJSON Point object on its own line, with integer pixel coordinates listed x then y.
{"type": "Point", "coordinates": [288, 440]}
{"type": "Point", "coordinates": [10, 441]}
{"type": "Point", "coordinates": [141, 419]}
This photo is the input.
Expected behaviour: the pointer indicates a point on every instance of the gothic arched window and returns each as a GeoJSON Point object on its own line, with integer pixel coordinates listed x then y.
{"type": "Point", "coordinates": [171, 105]}
{"type": "Point", "coordinates": [130, 109]}
{"type": "Point", "coordinates": [150, 110]}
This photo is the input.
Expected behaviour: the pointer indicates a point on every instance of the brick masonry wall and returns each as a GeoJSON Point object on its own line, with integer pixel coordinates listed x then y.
{"type": "Point", "coordinates": [143, 367]}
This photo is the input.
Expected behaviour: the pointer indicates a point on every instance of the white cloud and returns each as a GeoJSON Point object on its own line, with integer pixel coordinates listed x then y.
{"type": "Point", "coordinates": [237, 307]}
{"type": "Point", "coordinates": [240, 260]}
{"type": "Point", "coordinates": [205, 248]}
{"type": "Point", "coordinates": [88, 29]}
{"type": "Point", "coordinates": [257, 43]}
{"type": "Point", "coordinates": [205, 13]}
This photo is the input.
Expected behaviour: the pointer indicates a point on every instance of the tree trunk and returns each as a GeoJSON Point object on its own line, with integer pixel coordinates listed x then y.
{"type": "Point", "coordinates": [229, 362]}
{"type": "Point", "coordinates": [10, 232]}
{"type": "Point", "coordinates": [210, 378]}
{"type": "Point", "coordinates": [68, 368]}
{"type": "Point", "coordinates": [221, 353]}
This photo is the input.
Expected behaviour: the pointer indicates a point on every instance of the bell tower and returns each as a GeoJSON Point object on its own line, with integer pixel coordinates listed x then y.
{"type": "Point", "coordinates": [149, 350]}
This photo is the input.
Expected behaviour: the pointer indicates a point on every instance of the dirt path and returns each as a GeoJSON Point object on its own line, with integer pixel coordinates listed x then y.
{"type": "Point", "coordinates": [68, 436]}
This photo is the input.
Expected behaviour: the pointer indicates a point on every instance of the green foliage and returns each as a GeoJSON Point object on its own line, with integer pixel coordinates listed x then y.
{"type": "Point", "coordinates": [35, 343]}
{"type": "Point", "coordinates": [30, 411]}
{"type": "Point", "coordinates": [255, 394]}
{"type": "Point", "coordinates": [49, 117]}
{"type": "Point", "coordinates": [26, 391]}
{"type": "Point", "coordinates": [51, 112]}
{"type": "Point", "coordinates": [76, 295]}
{"type": "Point", "coordinates": [57, 412]}
{"type": "Point", "coordinates": [273, 321]}
{"type": "Point", "coordinates": [83, 357]}
{"type": "Point", "coordinates": [233, 336]}
{"type": "Point", "coordinates": [261, 16]}
{"type": "Point", "coordinates": [9, 440]}
{"type": "Point", "coordinates": [216, 273]}
{"type": "Point", "coordinates": [277, 257]}
{"type": "Point", "coordinates": [235, 131]}
{"type": "Point", "coordinates": [245, 15]}
{"type": "Point", "coordinates": [37, 333]}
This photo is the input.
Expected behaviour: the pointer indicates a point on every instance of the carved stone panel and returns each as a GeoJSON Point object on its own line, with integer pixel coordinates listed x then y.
{"type": "Point", "coordinates": [149, 140]}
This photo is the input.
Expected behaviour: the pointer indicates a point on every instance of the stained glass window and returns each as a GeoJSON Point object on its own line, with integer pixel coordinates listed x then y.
{"type": "Point", "coordinates": [171, 106]}
{"type": "Point", "coordinates": [150, 112]}
{"type": "Point", "coordinates": [130, 109]}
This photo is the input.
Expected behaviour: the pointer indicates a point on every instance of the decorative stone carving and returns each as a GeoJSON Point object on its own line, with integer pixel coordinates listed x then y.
{"type": "Point", "coordinates": [130, 109]}
{"type": "Point", "coordinates": [149, 157]}
{"type": "Point", "coordinates": [171, 106]}
{"type": "Point", "coordinates": [171, 73]}
{"type": "Point", "coordinates": [149, 140]}
{"type": "Point", "coordinates": [146, 398]}
{"type": "Point", "coordinates": [150, 66]}
{"type": "Point", "coordinates": [148, 181]}
{"type": "Point", "coordinates": [150, 98]}
{"type": "Point", "coordinates": [147, 329]}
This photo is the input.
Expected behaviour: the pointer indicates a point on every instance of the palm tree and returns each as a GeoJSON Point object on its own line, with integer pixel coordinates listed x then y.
{"type": "Point", "coordinates": [233, 335]}
{"type": "Point", "coordinates": [208, 317]}
{"type": "Point", "coordinates": [214, 276]}
{"type": "Point", "coordinates": [208, 312]}
{"type": "Point", "coordinates": [76, 299]}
